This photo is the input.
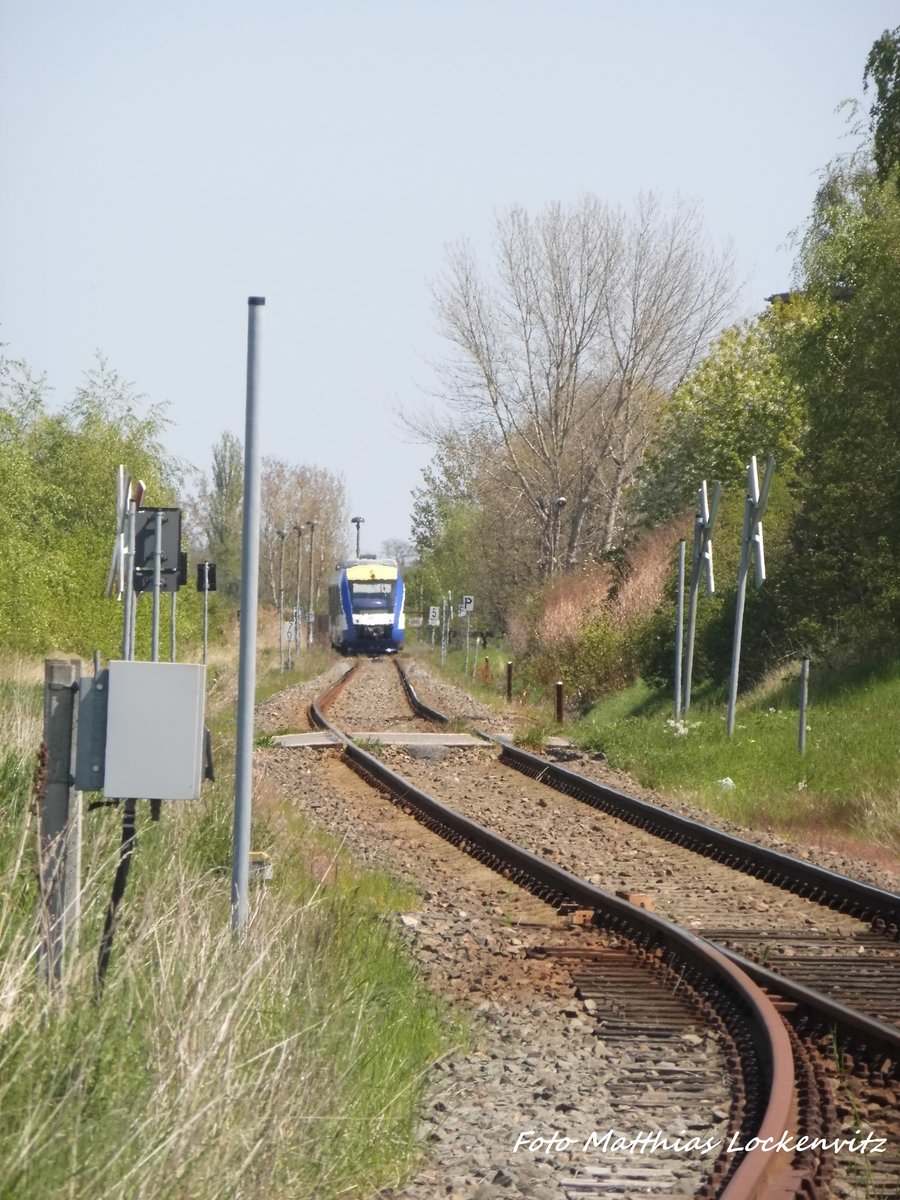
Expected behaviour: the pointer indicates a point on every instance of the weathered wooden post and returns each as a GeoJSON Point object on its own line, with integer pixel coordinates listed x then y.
{"type": "Point", "coordinates": [60, 817]}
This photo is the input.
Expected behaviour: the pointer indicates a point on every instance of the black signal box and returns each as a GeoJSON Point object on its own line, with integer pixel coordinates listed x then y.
{"type": "Point", "coordinates": [145, 548]}
{"type": "Point", "coordinates": [206, 577]}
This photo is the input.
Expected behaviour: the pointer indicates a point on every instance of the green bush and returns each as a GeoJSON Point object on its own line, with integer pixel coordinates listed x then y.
{"type": "Point", "coordinates": [595, 661]}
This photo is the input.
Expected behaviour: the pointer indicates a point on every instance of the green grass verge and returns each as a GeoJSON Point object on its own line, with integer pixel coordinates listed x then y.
{"type": "Point", "coordinates": [291, 1065]}
{"type": "Point", "coordinates": [483, 676]}
{"type": "Point", "coordinates": [846, 785]}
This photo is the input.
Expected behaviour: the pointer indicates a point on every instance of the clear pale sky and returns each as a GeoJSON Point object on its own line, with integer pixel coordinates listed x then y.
{"type": "Point", "coordinates": [164, 161]}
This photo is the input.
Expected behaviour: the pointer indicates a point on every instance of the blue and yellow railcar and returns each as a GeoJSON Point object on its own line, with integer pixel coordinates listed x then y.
{"type": "Point", "coordinates": [365, 606]}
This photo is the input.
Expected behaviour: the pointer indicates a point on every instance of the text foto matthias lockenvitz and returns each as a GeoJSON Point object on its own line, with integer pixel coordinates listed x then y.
{"type": "Point", "coordinates": [655, 1142]}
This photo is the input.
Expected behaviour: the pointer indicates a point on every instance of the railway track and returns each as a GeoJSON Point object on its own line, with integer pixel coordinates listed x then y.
{"type": "Point", "coordinates": [844, 1061]}
{"type": "Point", "coordinates": [828, 952]}
{"type": "Point", "coordinates": [695, 979]}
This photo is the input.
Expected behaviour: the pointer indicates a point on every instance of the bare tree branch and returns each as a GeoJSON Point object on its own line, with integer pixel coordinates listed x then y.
{"type": "Point", "coordinates": [589, 317]}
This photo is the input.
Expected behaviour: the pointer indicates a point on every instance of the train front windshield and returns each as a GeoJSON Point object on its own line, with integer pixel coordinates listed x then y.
{"type": "Point", "coordinates": [373, 595]}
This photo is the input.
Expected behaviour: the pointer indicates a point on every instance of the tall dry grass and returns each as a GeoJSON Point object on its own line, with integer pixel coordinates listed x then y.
{"type": "Point", "coordinates": [21, 700]}
{"type": "Point", "coordinates": [289, 1065]}
{"type": "Point", "coordinates": [586, 625]}
{"type": "Point", "coordinates": [620, 595]}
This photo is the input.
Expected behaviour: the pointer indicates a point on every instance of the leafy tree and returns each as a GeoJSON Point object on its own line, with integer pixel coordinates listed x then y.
{"type": "Point", "coordinates": [883, 69]}
{"type": "Point", "coordinates": [738, 402]}
{"type": "Point", "coordinates": [471, 533]}
{"type": "Point", "coordinates": [219, 513]}
{"type": "Point", "coordinates": [847, 535]}
{"type": "Point", "coordinates": [57, 506]}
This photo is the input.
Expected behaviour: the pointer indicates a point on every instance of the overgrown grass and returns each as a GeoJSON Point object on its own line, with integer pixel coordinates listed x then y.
{"type": "Point", "coordinates": [290, 1065]}
{"type": "Point", "coordinates": [306, 665]}
{"type": "Point", "coordinates": [847, 784]}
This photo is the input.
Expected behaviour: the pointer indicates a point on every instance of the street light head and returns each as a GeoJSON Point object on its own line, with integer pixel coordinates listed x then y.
{"type": "Point", "coordinates": [560, 502]}
{"type": "Point", "coordinates": [312, 524]}
{"type": "Point", "coordinates": [357, 521]}
{"type": "Point", "coordinates": [282, 533]}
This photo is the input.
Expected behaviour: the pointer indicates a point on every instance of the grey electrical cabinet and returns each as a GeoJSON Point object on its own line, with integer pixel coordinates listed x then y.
{"type": "Point", "coordinates": [154, 730]}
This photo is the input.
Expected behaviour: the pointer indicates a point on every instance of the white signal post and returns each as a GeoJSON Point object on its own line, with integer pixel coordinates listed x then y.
{"type": "Point", "coordinates": [701, 564]}
{"type": "Point", "coordinates": [117, 563]}
{"type": "Point", "coordinates": [751, 543]}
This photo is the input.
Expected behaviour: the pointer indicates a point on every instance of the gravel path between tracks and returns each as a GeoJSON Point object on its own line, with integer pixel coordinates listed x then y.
{"type": "Point", "coordinates": [447, 698]}
{"type": "Point", "coordinates": [536, 1062]}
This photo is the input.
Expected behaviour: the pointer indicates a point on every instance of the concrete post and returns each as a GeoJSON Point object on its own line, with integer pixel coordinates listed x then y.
{"type": "Point", "coordinates": [804, 698]}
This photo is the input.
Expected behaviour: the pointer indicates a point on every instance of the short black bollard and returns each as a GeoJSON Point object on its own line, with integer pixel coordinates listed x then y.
{"type": "Point", "coordinates": [509, 683]}
{"type": "Point", "coordinates": [559, 702]}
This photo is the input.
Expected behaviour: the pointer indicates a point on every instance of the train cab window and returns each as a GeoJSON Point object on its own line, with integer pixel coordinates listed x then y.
{"type": "Point", "coordinates": [373, 595]}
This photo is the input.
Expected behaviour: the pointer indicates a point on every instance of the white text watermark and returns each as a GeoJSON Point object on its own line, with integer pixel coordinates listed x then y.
{"type": "Point", "coordinates": [611, 1142]}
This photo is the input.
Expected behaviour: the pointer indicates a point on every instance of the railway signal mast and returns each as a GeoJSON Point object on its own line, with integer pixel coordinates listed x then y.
{"type": "Point", "coordinates": [751, 544]}
{"type": "Point", "coordinates": [701, 564]}
{"type": "Point", "coordinates": [310, 615]}
{"type": "Point", "coordinates": [446, 617]}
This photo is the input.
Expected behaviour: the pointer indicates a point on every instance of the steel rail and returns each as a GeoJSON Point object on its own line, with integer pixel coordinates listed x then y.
{"type": "Point", "coordinates": [754, 1174]}
{"type": "Point", "coordinates": [878, 1036]}
{"type": "Point", "coordinates": [816, 883]}
{"type": "Point", "coordinates": [826, 887]}
{"type": "Point", "coordinates": [418, 705]}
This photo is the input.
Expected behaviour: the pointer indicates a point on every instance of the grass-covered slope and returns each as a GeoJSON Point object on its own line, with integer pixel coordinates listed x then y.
{"type": "Point", "coordinates": [847, 784]}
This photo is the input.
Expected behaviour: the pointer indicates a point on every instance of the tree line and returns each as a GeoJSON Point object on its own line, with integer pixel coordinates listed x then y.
{"type": "Point", "coordinates": [304, 516]}
{"type": "Point", "coordinates": [57, 513]}
{"type": "Point", "coordinates": [593, 381]}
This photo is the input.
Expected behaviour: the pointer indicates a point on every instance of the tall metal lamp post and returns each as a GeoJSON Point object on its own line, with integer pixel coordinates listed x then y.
{"type": "Point", "coordinates": [560, 505]}
{"type": "Point", "coordinates": [310, 616]}
{"type": "Point", "coordinates": [281, 534]}
{"type": "Point", "coordinates": [298, 529]}
{"type": "Point", "coordinates": [357, 521]}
